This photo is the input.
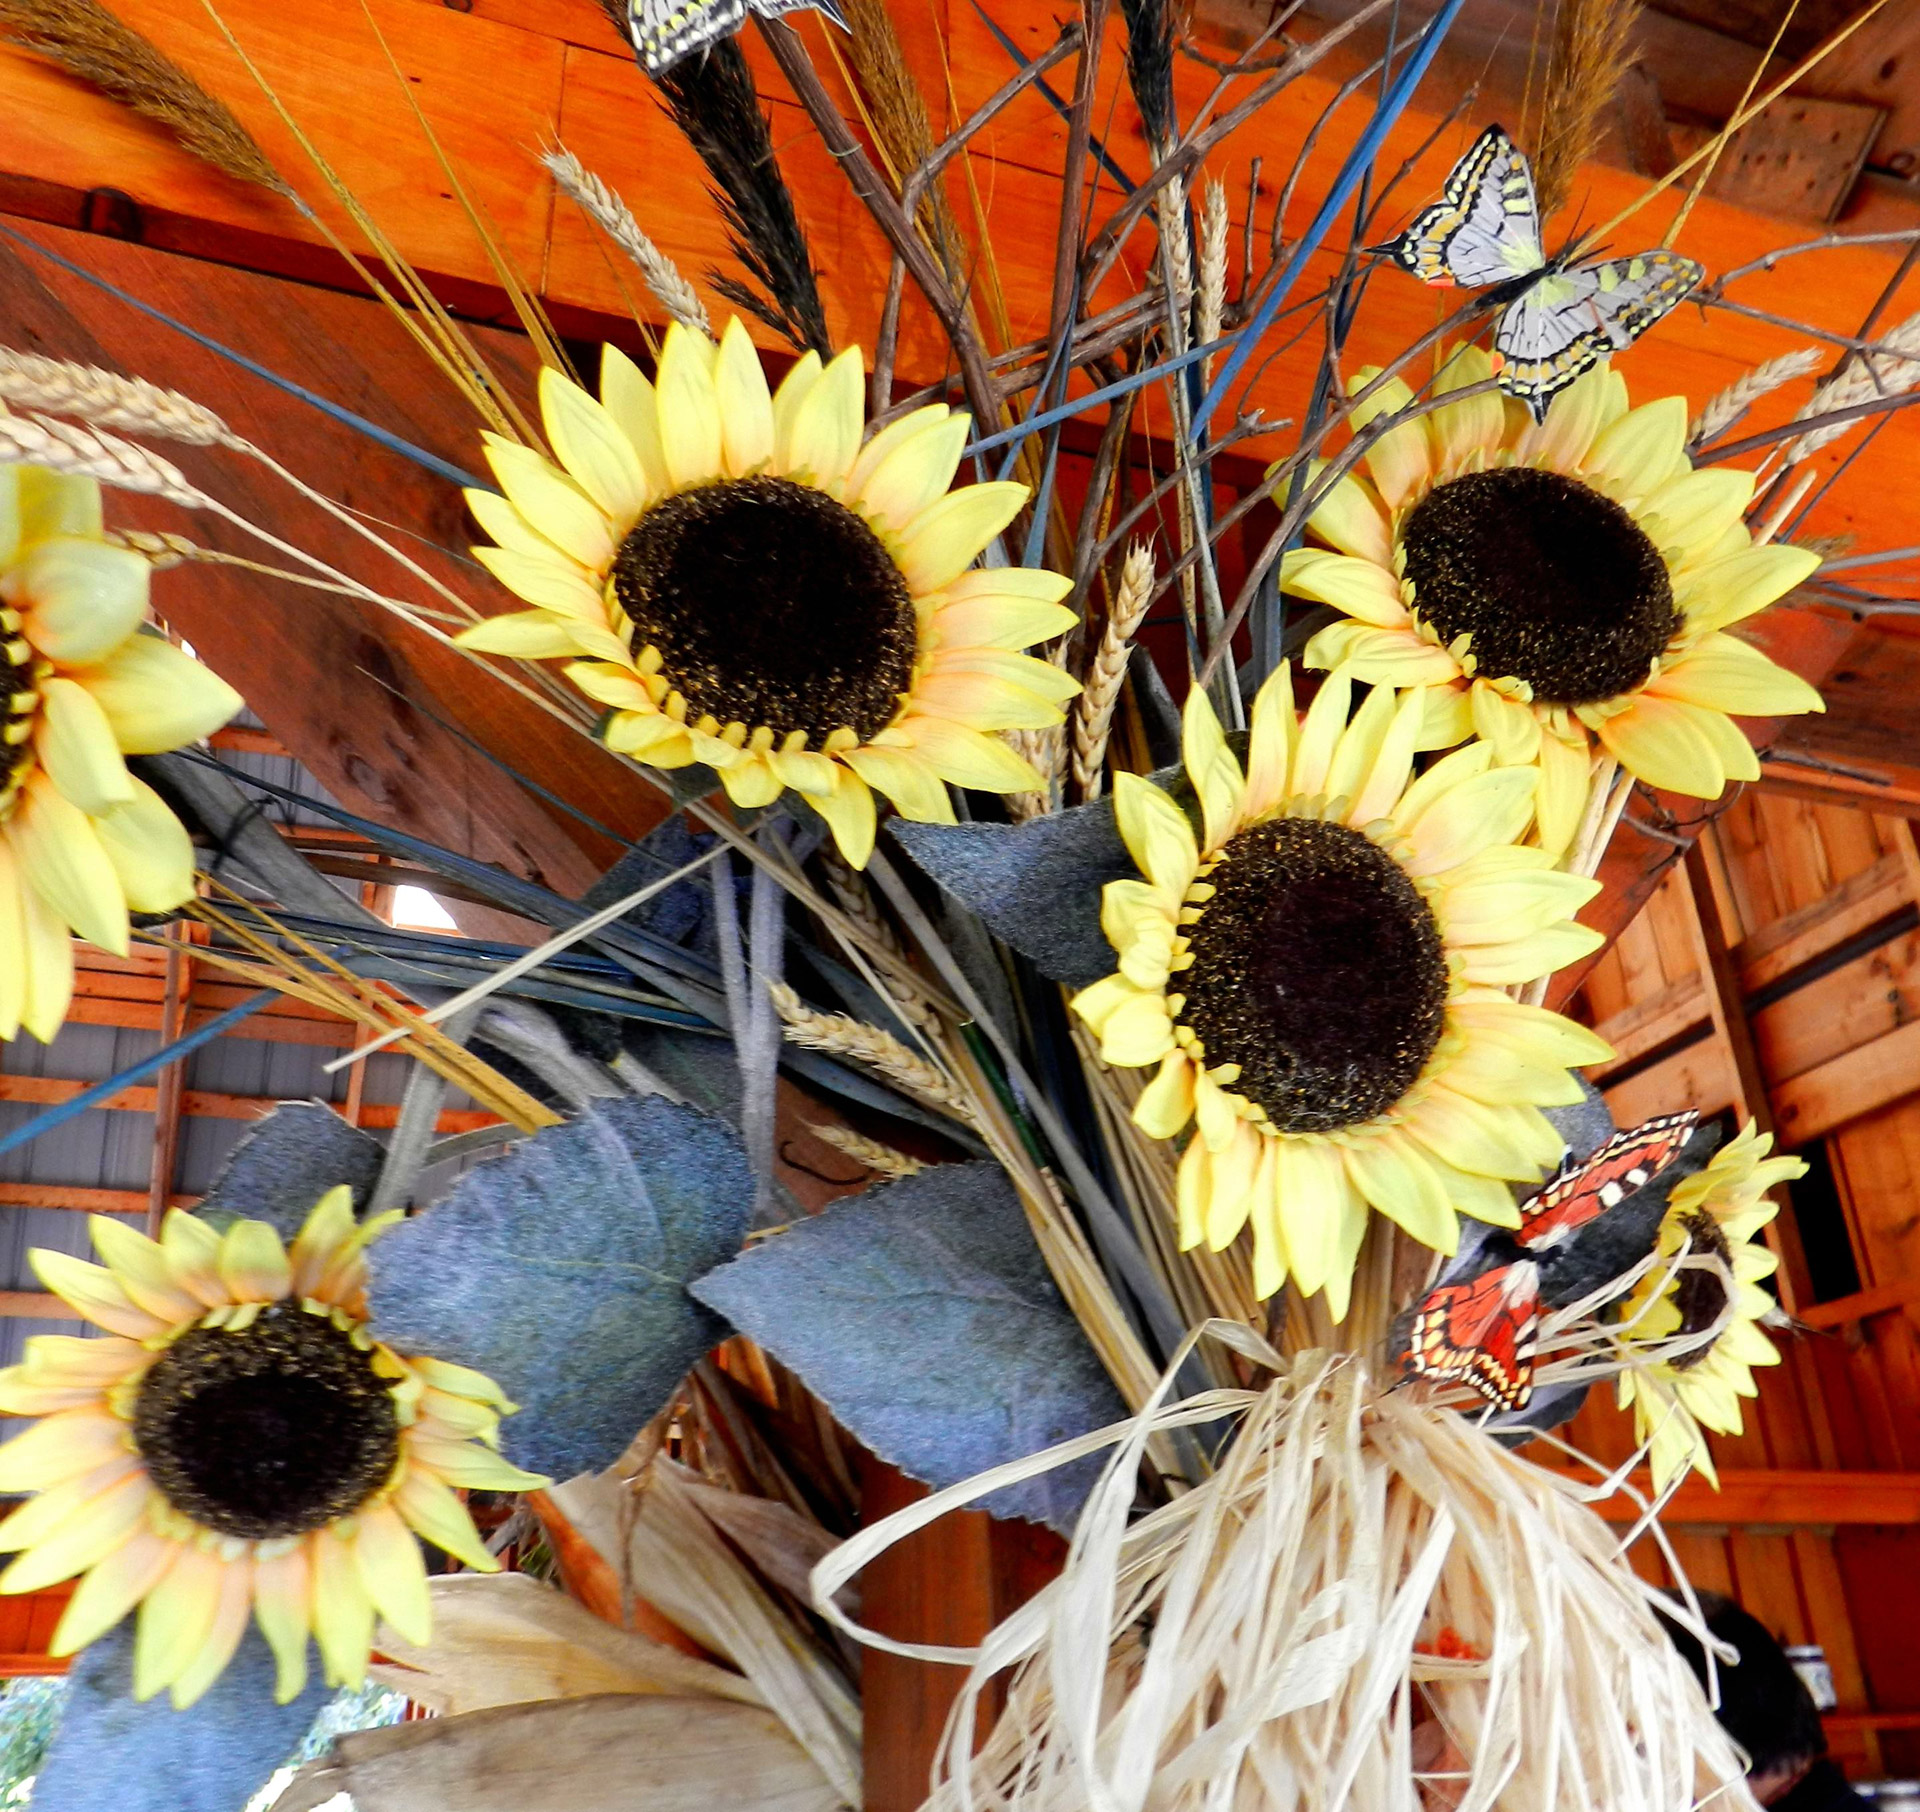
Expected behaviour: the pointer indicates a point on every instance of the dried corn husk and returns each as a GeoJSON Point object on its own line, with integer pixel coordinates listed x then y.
{"type": "Point", "coordinates": [505, 1639]}
{"type": "Point", "coordinates": [1272, 1638]}
{"type": "Point", "coordinates": [655, 1535]}
{"type": "Point", "coordinates": [782, 1543]}
{"type": "Point", "coordinates": [617, 1753]}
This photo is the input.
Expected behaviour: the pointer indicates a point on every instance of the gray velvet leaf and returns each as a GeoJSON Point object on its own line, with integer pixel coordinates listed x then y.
{"type": "Point", "coordinates": [111, 1755]}
{"type": "Point", "coordinates": [287, 1162]}
{"type": "Point", "coordinates": [921, 1313]}
{"type": "Point", "coordinates": [560, 1270]}
{"type": "Point", "coordinates": [1036, 884]}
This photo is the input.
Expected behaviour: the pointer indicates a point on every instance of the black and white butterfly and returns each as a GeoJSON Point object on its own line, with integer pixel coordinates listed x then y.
{"type": "Point", "coordinates": [665, 31]}
{"type": "Point", "coordinates": [1560, 318]}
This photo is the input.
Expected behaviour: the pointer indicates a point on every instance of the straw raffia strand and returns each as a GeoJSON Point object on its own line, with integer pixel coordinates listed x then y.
{"type": "Point", "coordinates": [1273, 1636]}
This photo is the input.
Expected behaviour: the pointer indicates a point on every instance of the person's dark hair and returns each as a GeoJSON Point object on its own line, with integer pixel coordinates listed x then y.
{"type": "Point", "coordinates": [1764, 1705]}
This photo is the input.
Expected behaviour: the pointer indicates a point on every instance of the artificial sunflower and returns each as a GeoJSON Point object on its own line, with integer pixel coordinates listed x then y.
{"type": "Point", "coordinates": [1321, 977]}
{"type": "Point", "coordinates": [81, 840]}
{"type": "Point", "coordinates": [239, 1443]}
{"type": "Point", "coordinates": [1714, 1213]}
{"type": "Point", "coordinates": [1573, 580]}
{"type": "Point", "coordinates": [745, 584]}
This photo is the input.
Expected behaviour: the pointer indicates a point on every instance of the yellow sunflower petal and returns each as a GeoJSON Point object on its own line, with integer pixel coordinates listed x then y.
{"type": "Point", "coordinates": [193, 1251]}
{"type": "Point", "coordinates": [1137, 1032]}
{"type": "Point", "coordinates": [1514, 1144]}
{"type": "Point", "coordinates": [1658, 742]}
{"type": "Point", "coordinates": [1728, 590]}
{"type": "Point", "coordinates": [229, 1624]}
{"type": "Point", "coordinates": [1576, 416]}
{"type": "Point", "coordinates": [849, 812]}
{"type": "Point", "coordinates": [81, 599]}
{"type": "Point", "coordinates": [253, 1263]}
{"type": "Point", "coordinates": [13, 945]}
{"type": "Point", "coordinates": [52, 1511]}
{"type": "Point", "coordinates": [1270, 748]}
{"type": "Point", "coordinates": [92, 1531]}
{"type": "Point", "coordinates": [752, 783]}
{"type": "Point", "coordinates": [95, 1292]}
{"type": "Point", "coordinates": [47, 984]}
{"type": "Point", "coordinates": [964, 756]}
{"type": "Point", "coordinates": [1157, 835]}
{"type": "Point", "coordinates": [1479, 812]}
{"type": "Point", "coordinates": [881, 446]}
{"type": "Point", "coordinates": [432, 1510]}
{"type": "Point", "coordinates": [502, 523]}
{"type": "Point", "coordinates": [1508, 725]}
{"type": "Point", "coordinates": [1348, 1239]}
{"type": "Point", "coordinates": [1190, 1195]}
{"type": "Point", "coordinates": [1736, 755]}
{"type": "Point", "coordinates": [1320, 734]}
{"type": "Point", "coordinates": [983, 701]}
{"type": "Point", "coordinates": [1389, 1171]}
{"type": "Point", "coordinates": [342, 1610]}
{"type": "Point", "coordinates": [690, 435]}
{"type": "Point", "coordinates": [1270, 1256]}
{"type": "Point", "coordinates": [61, 860]}
{"type": "Point", "coordinates": [949, 535]}
{"type": "Point", "coordinates": [150, 851]}
{"type": "Point", "coordinates": [1467, 1192]}
{"type": "Point", "coordinates": [793, 391]}
{"type": "Point", "coordinates": [56, 503]}
{"type": "Point", "coordinates": [996, 622]}
{"type": "Point", "coordinates": [588, 442]}
{"type": "Point", "coordinates": [468, 1467]}
{"type": "Point", "coordinates": [112, 1587]}
{"type": "Point", "coordinates": [1531, 1034]}
{"type": "Point", "coordinates": [914, 474]}
{"type": "Point", "coordinates": [1365, 589]}
{"type": "Point", "coordinates": [1560, 795]}
{"type": "Point", "coordinates": [630, 400]}
{"type": "Point", "coordinates": [825, 438]}
{"type": "Point", "coordinates": [746, 405]}
{"type": "Point", "coordinates": [1473, 426]}
{"type": "Point", "coordinates": [1400, 462]}
{"type": "Point", "coordinates": [1351, 517]}
{"type": "Point", "coordinates": [1166, 1103]}
{"type": "Point", "coordinates": [1642, 451]}
{"type": "Point", "coordinates": [1381, 657]}
{"type": "Point", "coordinates": [324, 1233]}
{"type": "Point", "coordinates": [1211, 768]}
{"type": "Point", "coordinates": [1360, 744]}
{"type": "Point", "coordinates": [552, 502]}
{"type": "Point", "coordinates": [283, 1607]}
{"type": "Point", "coordinates": [915, 789]}
{"type": "Point", "coordinates": [547, 582]}
{"type": "Point", "coordinates": [391, 1571]}
{"type": "Point", "coordinates": [1724, 673]}
{"type": "Point", "coordinates": [158, 697]}
{"type": "Point", "coordinates": [1312, 1191]}
{"type": "Point", "coordinates": [1232, 1174]}
{"type": "Point", "coordinates": [1525, 959]}
{"type": "Point", "coordinates": [1099, 1002]}
{"type": "Point", "coordinates": [1503, 906]}
{"type": "Point", "coordinates": [1386, 779]}
{"type": "Point", "coordinates": [1690, 513]}
{"type": "Point", "coordinates": [524, 635]}
{"type": "Point", "coordinates": [140, 1267]}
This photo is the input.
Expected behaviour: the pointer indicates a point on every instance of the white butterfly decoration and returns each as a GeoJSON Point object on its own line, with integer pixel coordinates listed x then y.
{"type": "Point", "coordinates": [665, 31]}
{"type": "Point", "coordinates": [1559, 319]}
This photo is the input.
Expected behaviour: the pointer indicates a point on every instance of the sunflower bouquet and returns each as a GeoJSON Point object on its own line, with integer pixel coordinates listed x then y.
{"type": "Point", "coordinates": [1155, 893]}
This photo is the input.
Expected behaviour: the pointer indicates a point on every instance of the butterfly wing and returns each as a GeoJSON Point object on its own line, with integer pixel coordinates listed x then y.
{"type": "Point", "coordinates": [1570, 320]}
{"type": "Point", "coordinates": [665, 31]}
{"type": "Point", "coordinates": [1485, 229]}
{"type": "Point", "coordinates": [1581, 1192]}
{"type": "Point", "coordinates": [1476, 1333]}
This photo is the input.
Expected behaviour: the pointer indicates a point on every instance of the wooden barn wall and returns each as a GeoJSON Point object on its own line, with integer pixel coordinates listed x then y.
{"type": "Point", "coordinates": [1812, 1028]}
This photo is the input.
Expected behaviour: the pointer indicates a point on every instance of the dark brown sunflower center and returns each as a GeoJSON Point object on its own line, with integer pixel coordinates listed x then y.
{"type": "Point", "coordinates": [1556, 584]}
{"type": "Point", "coordinates": [277, 1429]}
{"type": "Point", "coordinates": [1318, 968]}
{"type": "Point", "coordinates": [770, 604]}
{"type": "Point", "coordinates": [19, 698]}
{"type": "Point", "coordinates": [1700, 1295]}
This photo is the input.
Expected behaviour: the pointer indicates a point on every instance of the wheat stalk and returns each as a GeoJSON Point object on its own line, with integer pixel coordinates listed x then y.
{"type": "Point", "coordinates": [1722, 411]}
{"type": "Point", "coordinates": [614, 218]}
{"type": "Point", "coordinates": [855, 898]}
{"type": "Point", "coordinates": [84, 38]}
{"type": "Point", "coordinates": [1862, 378]}
{"type": "Point", "coordinates": [1176, 248]}
{"type": "Point", "coordinates": [879, 1051]}
{"type": "Point", "coordinates": [1592, 45]}
{"type": "Point", "coordinates": [159, 550]}
{"type": "Point", "coordinates": [1093, 719]}
{"type": "Point", "coordinates": [1213, 264]}
{"type": "Point", "coordinates": [862, 1150]}
{"type": "Point", "coordinates": [31, 381]}
{"type": "Point", "coordinates": [38, 440]}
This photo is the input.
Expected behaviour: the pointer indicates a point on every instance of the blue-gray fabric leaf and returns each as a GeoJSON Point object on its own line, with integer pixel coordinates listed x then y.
{"type": "Point", "coordinates": [111, 1755]}
{"type": "Point", "coordinates": [561, 1271]}
{"type": "Point", "coordinates": [1036, 884]}
{"type": "Point", "coordinates": [287, 1162]}
{"type": "Point", "coordinates": [921, 1313]}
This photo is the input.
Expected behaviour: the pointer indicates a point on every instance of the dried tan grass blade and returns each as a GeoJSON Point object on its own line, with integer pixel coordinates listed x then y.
{"type": "Point", "coordinates": [1592, 42]}
{"type": "Point", "coordinates": [505, 1639]}
{"type": "Point", "coordinates": [91, 43]}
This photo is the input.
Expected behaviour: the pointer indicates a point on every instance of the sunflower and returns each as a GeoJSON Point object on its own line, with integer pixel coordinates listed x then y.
{"type": "Point", "coordinates": [1573, 581]}
{"type": "Point", "coordinates": [1320, 977]}
{"type": "Point", "coordinates": [747, 585]}
{"type": "Point", "coordinates": [1714, 1213]}
{"type": "Point", "coordinates": [239, 1443]}
{"type": "Point", "coordinates": [81, 840]}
